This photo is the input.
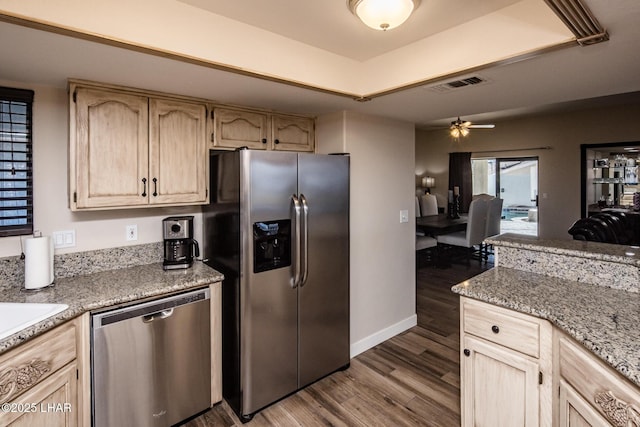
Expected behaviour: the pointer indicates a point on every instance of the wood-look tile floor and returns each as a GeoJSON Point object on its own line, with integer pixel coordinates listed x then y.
{"type": "Point", "coordinates": [410, 380]}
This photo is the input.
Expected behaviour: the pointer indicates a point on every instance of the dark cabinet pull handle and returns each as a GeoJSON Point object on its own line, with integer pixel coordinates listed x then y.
{"type": "Point", "coordinates": [264, 140]}
{"type": "Point", "coordinates": [467, 352]}
{"type": "Point", "coordinates": [144, 188]}
{"type": "Point", "coordinates": [155, 187]}
{"type": "Point", "coordinates": [277, 141]}
{"type": "Point", "coordinates": [495, 329]}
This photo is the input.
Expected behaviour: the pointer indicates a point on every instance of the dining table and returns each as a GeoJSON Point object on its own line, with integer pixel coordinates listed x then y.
{"type": "Point", "coordinates": [434, 225]}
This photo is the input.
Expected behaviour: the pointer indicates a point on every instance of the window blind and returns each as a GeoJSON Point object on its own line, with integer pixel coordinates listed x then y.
{"type": "Point", "coordinates": [16, 175]}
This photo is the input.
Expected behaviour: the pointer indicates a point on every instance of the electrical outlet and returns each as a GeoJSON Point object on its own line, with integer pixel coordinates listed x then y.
{"type": "Point", "coordinates": [64, 239]}
{"type": "Point", "coordinates": [132, 232]}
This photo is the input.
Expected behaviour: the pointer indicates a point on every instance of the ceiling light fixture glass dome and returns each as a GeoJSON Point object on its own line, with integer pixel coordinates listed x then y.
{"type": "Point", "coordinates": [383, 14]}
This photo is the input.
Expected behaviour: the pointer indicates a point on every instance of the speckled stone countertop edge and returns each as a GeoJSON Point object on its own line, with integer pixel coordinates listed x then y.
{"type": "Point", "coordinates": [593, 250]}
{"type": "Point", "coordinates": [589, 321]}
{"type": "Point", "coordinates": [157, 283]}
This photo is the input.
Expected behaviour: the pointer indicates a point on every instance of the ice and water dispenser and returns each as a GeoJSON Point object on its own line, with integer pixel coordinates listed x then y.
{"type": "Point", "coordinates": [271, 245]}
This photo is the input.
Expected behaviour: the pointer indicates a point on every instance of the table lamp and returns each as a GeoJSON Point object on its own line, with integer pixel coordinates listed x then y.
{"type": "Point", "coordinates": [428, 182]}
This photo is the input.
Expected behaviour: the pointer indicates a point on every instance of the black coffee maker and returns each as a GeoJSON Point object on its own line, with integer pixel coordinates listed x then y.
{"type": "Point", "coordinates": [179, 245]}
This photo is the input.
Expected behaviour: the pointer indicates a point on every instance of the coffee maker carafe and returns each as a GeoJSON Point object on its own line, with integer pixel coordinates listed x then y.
{"type": "Point", "coordinates": [179, 245]}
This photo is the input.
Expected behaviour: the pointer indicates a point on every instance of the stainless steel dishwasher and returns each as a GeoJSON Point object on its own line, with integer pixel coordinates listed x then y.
{"type": "Point", "coordinates": [151, 362]}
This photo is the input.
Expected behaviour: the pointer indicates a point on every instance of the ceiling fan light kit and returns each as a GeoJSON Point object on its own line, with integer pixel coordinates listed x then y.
{"type": "Point", "coordinates": [383, 15]}
{"type": "Point", "coordinates": [458, 131]}
{"type": "Point", "coordinates": [459, 128]}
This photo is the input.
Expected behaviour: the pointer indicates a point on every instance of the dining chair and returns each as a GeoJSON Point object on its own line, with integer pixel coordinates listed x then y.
{"type": "Point", "coordinates": [424, 248]}
{"type": "Point", "coordinates": [494, 215]}
{"type": "Point", "coordinates": [424, 243]}
{"type": "Point", "coordinates": [475, 232]}
{"type": "Point", "coordinates": [494, 218]}
{"type": "Point", "coordinates": [484, 196]}
{"type": "Point", "coordinates": [428, 205]}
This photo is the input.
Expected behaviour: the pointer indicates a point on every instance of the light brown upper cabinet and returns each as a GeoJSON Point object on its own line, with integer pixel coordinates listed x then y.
{"type": "Point", "coordinates": [235, 128]}
{"type": "Point", "coordinates": [292, 133]}
{"type": "Point", "coordinates": [127, 149]}
{"type": "Point", "coordinates": [239, 128]}
{"type": "Point", "coordinates": [178, 155]}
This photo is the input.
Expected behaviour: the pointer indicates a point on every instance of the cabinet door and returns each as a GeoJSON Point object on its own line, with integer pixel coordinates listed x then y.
{"type": "Point", "coordinates": [234, 129]}
{"type": "Point", "coordinates": [53, 403]}
{"type": "Point", "coordinates": [178, 155]}
{"type": "Point", "coordinates": [109, 149]}
{"type": "Point", "coordinates": [292, 133]}
{"type": "Point", "coordinates": [499, 386]}
{"type": "Point", "coordinates": [613, 397]}
{"type": "Point", "coordinates": [576, 411]}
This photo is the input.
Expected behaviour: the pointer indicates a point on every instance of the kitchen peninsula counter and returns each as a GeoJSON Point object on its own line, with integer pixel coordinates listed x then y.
{"type": "Point", "coordinates": [603, 319]}
{"type": "Point", "coordinates": [94, 291]}
{"type": "Point", "coordinates": [589, 290]}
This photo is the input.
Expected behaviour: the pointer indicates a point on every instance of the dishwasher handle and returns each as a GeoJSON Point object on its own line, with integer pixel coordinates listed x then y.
{"type": "Point", "coordinates": [148, 311]}
{"type": "Point", "coordinates": [157, 316]}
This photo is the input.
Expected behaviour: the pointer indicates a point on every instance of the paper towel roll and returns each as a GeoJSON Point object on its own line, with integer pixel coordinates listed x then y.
{"type": "Point", "coordinates": [38, 262]}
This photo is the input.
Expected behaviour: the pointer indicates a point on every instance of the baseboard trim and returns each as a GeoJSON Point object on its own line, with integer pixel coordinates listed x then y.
{"type": "Point", "coordinates": [383, 335]}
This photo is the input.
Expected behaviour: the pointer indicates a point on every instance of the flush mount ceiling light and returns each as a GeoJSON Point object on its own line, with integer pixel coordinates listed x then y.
{"type": "Point", "coordinates": [383, 14]}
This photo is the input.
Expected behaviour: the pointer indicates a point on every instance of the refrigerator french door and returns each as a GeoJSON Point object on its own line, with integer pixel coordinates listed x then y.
{"type": "Point", "coordinates": [278, 229]}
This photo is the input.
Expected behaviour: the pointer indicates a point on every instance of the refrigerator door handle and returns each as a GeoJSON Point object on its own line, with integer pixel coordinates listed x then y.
{"type": "Point", "coordinates": [298, 258]}
{"type": "Point", "coordinates": [305, 240]}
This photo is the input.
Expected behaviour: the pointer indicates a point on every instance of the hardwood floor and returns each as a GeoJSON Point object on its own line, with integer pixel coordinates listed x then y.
{"type": "Point", "coordinates": [410, 380]}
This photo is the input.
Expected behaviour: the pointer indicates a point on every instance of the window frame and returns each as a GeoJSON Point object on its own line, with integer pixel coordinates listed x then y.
{"type": "Point", "coordinates": [17, 96]}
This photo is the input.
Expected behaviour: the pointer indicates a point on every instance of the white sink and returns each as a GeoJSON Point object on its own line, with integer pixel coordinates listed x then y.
{"type": "Point", "coordinates": [17, 316]}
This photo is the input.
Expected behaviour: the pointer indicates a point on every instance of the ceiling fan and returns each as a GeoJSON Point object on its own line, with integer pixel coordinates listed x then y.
{"type": "Point", "coordinates": [459, 128]}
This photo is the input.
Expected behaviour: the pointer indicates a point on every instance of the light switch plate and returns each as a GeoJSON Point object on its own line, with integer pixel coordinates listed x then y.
{"type": "Point", "coordinates": [404, 216]}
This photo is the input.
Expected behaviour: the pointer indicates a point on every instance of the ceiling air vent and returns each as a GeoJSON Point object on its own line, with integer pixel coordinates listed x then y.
{"type": "Point", "coordinates": [465, 82]}
{"type": "Point", "coordinates": [456, 84]}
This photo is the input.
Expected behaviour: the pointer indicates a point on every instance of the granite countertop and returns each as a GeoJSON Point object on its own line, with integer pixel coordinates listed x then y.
{"type": "Point", "coordinates": [576, 248]}
{"type": "Point", "coordinates": [104, 289]}
{"type": "Point", "coordinates": [604, 320]}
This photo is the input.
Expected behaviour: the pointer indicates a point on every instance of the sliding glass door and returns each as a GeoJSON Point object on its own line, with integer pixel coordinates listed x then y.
{"type": "Point", "coordinates": [515, 180]}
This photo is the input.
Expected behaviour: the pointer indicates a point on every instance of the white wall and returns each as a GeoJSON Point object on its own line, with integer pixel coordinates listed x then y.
{"type": "Point", "coordinates": [559, 167]}
{"type": "Point", "coordinates": [382, 249]}
{"type": "Point", "coordinates": [94, 230]}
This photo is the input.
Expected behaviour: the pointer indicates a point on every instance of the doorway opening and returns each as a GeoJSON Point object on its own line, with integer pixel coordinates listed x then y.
{"type": "Point", "coordinates": [514, 180]}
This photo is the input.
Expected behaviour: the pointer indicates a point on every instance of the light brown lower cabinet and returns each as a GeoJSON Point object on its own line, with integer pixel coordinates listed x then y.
{"type": "Point", "coordinates": [503, 386]}
{"type": "Point", "coordinates": [39, 381]}
{"type": "Point", "coordinates": [505, 367]}
{"type": "Point", "coordinates": [519, 370]}
{"type": "Point", "coordinates": [575, 411]}
{"type": "Point", "coordinates": [591, 392]}
{"type": "Point", "coordinates": [49, 404]}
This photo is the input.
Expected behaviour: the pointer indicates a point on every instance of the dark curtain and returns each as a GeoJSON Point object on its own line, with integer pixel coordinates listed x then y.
{"type": "Point", "coordinates": [460, 176]}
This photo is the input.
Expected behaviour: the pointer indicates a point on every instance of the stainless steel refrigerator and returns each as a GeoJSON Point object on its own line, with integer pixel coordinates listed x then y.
{"type": "Point", "coordinates": [278, 229]}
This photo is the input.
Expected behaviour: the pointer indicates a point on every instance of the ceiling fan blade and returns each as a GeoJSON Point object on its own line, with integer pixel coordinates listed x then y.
{"type": "Point", "coordinates": [472, 126]}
